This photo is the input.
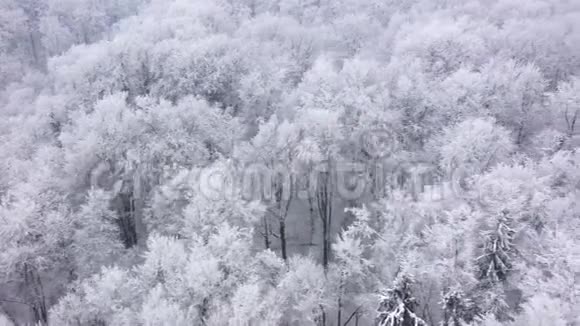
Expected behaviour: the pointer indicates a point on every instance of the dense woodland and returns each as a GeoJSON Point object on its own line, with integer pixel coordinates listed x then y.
{"type": "Point", "coordinates": [200, 162]}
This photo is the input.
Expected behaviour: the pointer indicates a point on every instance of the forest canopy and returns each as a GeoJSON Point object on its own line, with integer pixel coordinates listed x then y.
{"type": "Point", "coordinates": [290, 162]}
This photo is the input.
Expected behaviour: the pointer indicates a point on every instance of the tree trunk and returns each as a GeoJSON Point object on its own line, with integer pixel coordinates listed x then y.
{"type": "Point", "coordinates": [322, 320]}
{"type": "Point", "coordinates": [34, 50]}
{"type": "Point", "coordinates": [266, 232]}
{"type": "Point", "coordinates": [283, 239]}
{"type": "Point", "coordinates": [126, 220]}
{"type": "Point", "coordinates": [339, 314]}
{"type": "Point", "coordinates": [283, 201]}
{"type": "Point", "coordinates": [36, 295]}
{"type": "Point", "coordinates": [324, 204]}
{"type": "Point", "coordinates": [312, 220]}
{"type": "Point", "coordinates": [325, 257]}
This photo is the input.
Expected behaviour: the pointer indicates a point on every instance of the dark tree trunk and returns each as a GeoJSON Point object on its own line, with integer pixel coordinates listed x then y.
{"type": "Point", "coordinates": [325, 257]}
{"type": "Point", "coordinates": [283, 196]}
{"type": "Point", "coordinates": [266, 234]}
{"type": "Point", "coordinates": [126, 220]}
{"type": "Point", "coordinates": [312, 220]}
{"type": "Point", "coordinates": [324, 204]}
{"type": "Point", "coordinates": [36, 297]}
{"type": "Point", "coordinates": [34, 50]}
{"type": "Point", "coordinates": [283, 239]}
{"type": "Point", "coordinates": [339, 314]}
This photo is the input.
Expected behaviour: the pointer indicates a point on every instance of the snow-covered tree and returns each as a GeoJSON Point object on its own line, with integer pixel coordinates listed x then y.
{"type": "Point", "coordinates": [496, 261]}
{"type": "Point", "coordinates": [473, 146]}
{"type": "Point", "coordinates": [150, 150]}
{"type": "Point", "coordinates": [397, 305]}
{"type": "Point", "coordinates": [458, 310]}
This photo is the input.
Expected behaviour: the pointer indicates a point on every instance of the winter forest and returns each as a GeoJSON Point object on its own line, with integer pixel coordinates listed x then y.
{"type": "Point", "coordinates": [290, 162]}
